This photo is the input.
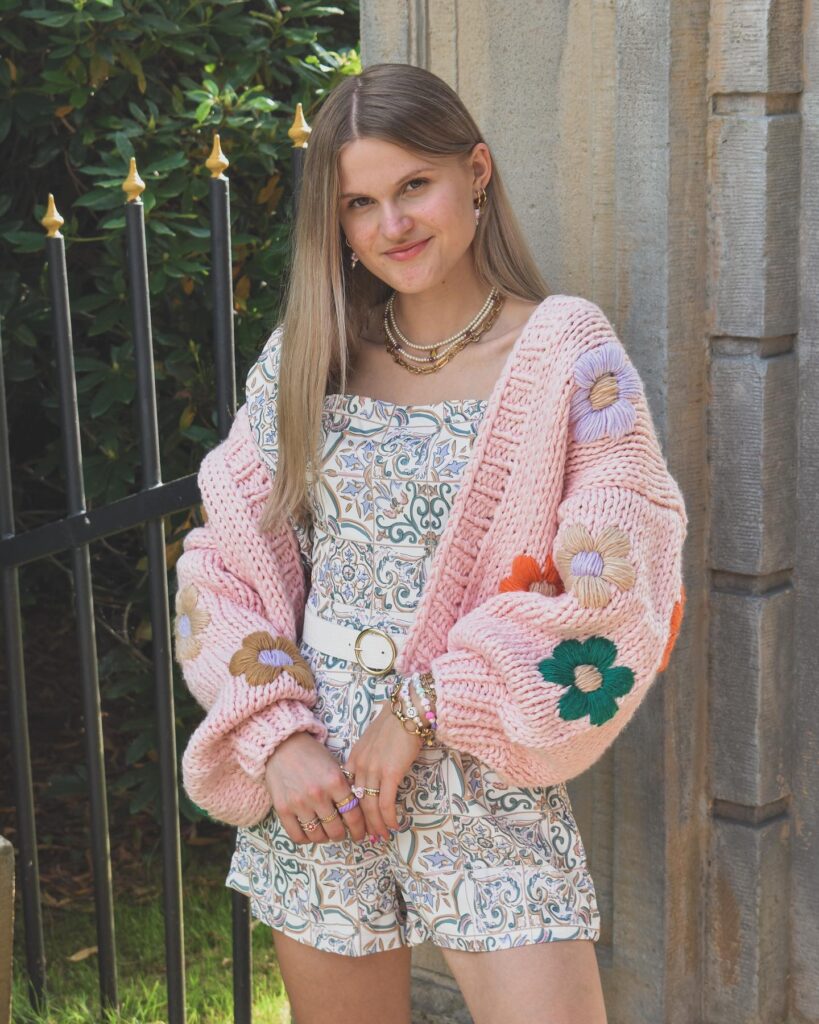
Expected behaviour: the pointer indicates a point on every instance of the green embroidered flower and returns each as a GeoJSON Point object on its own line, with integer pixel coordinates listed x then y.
{"type": "Point", "coordinates": [593, 681]}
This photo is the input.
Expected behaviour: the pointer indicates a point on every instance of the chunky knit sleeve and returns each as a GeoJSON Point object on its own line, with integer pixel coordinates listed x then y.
{"type": "Point", "coordinates": [239, 611]}
{"type": "Point", "coordinates": [540, 677]}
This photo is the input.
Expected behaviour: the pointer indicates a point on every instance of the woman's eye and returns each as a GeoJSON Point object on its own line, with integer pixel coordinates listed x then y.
{"type": "Point", "coordinates": [354, 203]}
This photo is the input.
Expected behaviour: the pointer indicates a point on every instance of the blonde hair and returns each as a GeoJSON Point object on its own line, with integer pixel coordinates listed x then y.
{"type": "Point", "coordinates": [326, 303]}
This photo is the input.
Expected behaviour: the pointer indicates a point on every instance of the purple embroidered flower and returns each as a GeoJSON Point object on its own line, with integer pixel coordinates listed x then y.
{"type": "Point", "coordinates": [189, 624]}
{"type": "Point", "coordinates": [603, 404]}
{"type": "Point", "coordinates": [262, 657]}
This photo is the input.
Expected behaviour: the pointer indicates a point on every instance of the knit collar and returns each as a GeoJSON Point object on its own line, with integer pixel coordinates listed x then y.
{"type": "Point", "coordinates": [477, 499]}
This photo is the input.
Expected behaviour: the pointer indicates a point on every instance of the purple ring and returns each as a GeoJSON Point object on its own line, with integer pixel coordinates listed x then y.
{"type": "Point", "coordinates": [349, 805]}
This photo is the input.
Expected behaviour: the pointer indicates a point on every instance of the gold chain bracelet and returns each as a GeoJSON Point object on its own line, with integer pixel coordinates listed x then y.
{"type": "Point", "coordinates": [427, 681]}
{"type": "Point", "coordinates": [426, 732]}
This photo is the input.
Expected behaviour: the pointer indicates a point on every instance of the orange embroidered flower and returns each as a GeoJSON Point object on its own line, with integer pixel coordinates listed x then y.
{"type": "Point", "coordinates": [590, 566]}
{"type": "Point", "coordinates": [189, 623]}
{"type": "Point", "coordinates": [527, 575]}
{"type": "Point", "coordinates": [262, 657]}
{"type": "Point", "coordinates": [674, 629]}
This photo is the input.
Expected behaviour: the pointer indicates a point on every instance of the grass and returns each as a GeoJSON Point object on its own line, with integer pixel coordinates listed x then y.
{"type": "Point", "coordinates": [73, 986]}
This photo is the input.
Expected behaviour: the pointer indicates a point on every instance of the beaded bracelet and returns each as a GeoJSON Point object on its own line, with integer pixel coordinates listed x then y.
{"type": "Point", "coordinates": [411, 715]}
{"type": "Point", "coordinates": [423, 696]}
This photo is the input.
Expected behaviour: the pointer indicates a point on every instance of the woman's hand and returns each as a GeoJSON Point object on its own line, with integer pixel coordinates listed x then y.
{"type": "Point", "coordinates": [380, 759]}
{"type": "Point", "coordinates": [305, 782]}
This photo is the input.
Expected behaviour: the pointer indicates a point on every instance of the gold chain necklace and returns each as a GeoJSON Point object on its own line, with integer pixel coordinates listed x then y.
{"type": "Point", "coordinates": [396, 332]}
{"type": "Point", "coordinates": [434, 361]}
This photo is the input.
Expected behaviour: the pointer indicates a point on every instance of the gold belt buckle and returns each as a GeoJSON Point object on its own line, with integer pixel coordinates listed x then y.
{"type": "Point", "coordinates": [357, 649]}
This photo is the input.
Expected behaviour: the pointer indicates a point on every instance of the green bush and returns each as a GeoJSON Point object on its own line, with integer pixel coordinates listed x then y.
{"type": "Point", "coordinates": [86, 84]}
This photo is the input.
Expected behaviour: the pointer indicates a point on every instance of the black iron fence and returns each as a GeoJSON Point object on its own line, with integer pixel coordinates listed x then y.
{"type": "Point", "coordinates": [74, 533]}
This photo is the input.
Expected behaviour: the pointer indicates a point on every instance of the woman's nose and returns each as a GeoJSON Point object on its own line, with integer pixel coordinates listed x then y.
{"type": "Point", "coordinates": [394, 222]}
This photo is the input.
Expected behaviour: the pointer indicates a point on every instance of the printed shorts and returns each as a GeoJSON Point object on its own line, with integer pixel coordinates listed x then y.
{"type": "Point", "coordinates": [476, 865]}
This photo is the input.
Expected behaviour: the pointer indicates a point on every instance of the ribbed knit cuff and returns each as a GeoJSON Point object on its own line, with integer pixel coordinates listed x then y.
{"type": "Point", "coordinates": [255, 739]}
{"type": "Point", "coordinates": [468, 711]}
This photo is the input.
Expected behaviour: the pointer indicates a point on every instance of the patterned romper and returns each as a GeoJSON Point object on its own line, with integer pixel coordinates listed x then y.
{"type": "Point", "coordinates": [476, 865]}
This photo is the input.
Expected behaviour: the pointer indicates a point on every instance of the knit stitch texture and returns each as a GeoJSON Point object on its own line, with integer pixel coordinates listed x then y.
{"type": "Point", "coordinates": [566, 468]}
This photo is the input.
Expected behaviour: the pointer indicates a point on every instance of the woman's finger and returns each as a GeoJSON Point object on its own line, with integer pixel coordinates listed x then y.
{"type": "Point", "coordinates": [332, 822]}
{"type": "Point", "coordinates": [354, 818]}
{"type": "Point", "coordinates": [372, 810]}
{"type": "Point", "coordinates": [315, 833]}
{"type": "Point", "coordinates": [387, 801]}
{"type": "Point", "coordinates": [292, 827]}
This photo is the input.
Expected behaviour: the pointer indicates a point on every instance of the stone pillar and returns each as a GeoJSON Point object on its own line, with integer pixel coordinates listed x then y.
{"type": "Point", "coordinates": [753, 155]}
{"type": "Point", "coordinates": [802, 696]}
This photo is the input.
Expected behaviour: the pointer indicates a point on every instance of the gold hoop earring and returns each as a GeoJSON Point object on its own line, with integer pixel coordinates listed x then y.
{"type": "Point", "coordinates": [480, 201]}
{"type": "Point", "coordinates": [354, 256]}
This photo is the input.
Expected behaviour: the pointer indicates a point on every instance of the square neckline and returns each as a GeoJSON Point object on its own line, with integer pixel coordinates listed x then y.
{"type": "Point", "coordinates": [369, 400]}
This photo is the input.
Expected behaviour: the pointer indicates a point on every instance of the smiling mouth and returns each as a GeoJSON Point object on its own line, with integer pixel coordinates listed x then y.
{"type": "Point", "coordinates": [408, 250]}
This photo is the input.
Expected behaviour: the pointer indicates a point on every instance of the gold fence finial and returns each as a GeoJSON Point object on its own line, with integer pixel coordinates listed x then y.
{"type": "Point", "coordinates": [299, 130]}
{"type": "Point", "coordinates": [52, 221]}
{"type": "Point", "coordinates": [217, 163]}
{"type": "Point", "coordinates": [133, 186]}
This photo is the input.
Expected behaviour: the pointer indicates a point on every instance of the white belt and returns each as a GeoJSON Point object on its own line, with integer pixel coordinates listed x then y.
{"type": "Point", "coordinates": [374, 649]}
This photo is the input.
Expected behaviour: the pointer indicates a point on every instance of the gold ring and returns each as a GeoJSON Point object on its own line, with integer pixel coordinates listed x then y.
{"type": "Point", "coordinates": [371, 792]}
{"type": "Point", "coordinates": [341, 803]}
{"type": "Point", "coordinates": [329, 817]}
{"type": "Point", "coordinates": [311, 825]}
{"type": "Point", "coordinates": [347, 773]}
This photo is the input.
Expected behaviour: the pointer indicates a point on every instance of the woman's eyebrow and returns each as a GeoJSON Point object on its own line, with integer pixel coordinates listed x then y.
{"type": "Point", "coordinates": [418, 170]}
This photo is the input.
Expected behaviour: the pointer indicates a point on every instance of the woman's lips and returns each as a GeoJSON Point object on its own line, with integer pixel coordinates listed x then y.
{"type": "Point", "coordinates": [407, 254]}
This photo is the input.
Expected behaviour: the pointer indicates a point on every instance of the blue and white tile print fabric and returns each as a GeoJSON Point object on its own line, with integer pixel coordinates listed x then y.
{"type": "Point", "coordinates": [476, 865]}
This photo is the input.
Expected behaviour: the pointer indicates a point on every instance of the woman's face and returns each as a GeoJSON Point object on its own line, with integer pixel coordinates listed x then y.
{"type": "Point", "coordinates": [391, 196]}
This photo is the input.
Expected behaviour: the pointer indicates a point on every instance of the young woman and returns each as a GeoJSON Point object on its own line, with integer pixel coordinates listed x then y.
{"type": "Point", "coordinates": [440, 568]}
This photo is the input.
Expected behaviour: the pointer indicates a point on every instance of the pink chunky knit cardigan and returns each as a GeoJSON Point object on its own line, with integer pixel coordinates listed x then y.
{"type": "Point", "coordinates": [566, 469]}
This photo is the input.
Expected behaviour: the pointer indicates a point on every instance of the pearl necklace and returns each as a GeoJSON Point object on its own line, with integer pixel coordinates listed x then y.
{"type": "Point", "coordinates": [390, 311]}
{"type": "Point", "coordinates": [477, 327]}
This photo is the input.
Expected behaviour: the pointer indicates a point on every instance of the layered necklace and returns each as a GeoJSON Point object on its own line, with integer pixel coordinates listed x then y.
{"type": "Point", "coordinates": [440, 352]}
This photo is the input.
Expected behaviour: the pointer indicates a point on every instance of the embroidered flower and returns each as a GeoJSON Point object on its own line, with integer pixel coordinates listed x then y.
{"type": "Point", "coordinates": [189, 623]}
{"type": "Point", "coordinates": [674, 629]}
{"type": "Point", "coordinates": [607, 383]}
{"type": "Point", "coordinates": [262, 657]}
{"type": "Point", "coordinates": [527, 575]}
{"type": "Point", "coordinates": [591, 566]}
{"type": "Point", "coordinates": [593, 681]}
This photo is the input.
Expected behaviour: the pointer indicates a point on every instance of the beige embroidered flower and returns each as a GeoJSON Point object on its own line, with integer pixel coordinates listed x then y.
{"type": "Point", "coordinates": [591, 566]}
{"type": "Point", "coordinates": [262, 657]}
{"type": "Point", "coordinates": [189, 623]}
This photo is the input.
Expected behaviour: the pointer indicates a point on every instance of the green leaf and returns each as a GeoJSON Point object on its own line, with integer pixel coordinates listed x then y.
{"type": "Point", "coordinates": [261, 103]}
{"type": "Point", "coordinates": [26, 241]}
{"type": "Point", "coordinates": [115, 223]}
{"type": "Point", "coordinates": [124, 146]}
{"type": "Point", "coordinates": [100, 199]}
{"type": "Point", "coordinates": [203, 110]}
{"type": "Point", "coordinates": [139, 747]}
{"type": "Point", "coordinates": [167, 163]}
{"type": "Point", "coordinates": [13, 40]}
{"type": "Point", "coordinates": [50, 18]}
